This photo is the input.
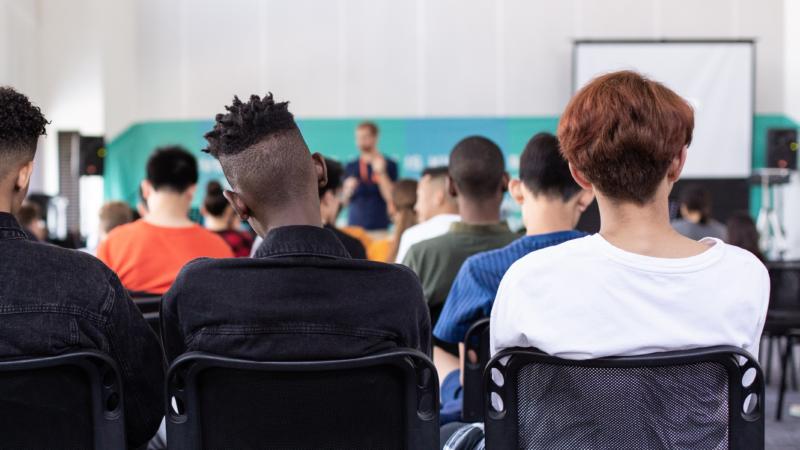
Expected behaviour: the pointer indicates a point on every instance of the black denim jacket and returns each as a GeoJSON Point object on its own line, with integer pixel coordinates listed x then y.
{"type": "Point", "coordinates": [301, 298]}
{"type": "Point", "coordinates": [54, 300]}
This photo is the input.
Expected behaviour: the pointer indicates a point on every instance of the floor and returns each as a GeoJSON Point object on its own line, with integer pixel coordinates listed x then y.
{"type": "Point", "coordinates": [783, 435]}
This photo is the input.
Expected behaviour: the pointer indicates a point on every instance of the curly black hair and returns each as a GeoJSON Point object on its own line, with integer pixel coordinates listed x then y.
{"type": "Point", "coordinates": [247, 123]}
{"type": "Point", "coordinates": [21, 124]}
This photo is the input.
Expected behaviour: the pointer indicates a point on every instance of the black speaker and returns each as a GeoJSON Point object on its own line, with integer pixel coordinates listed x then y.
{"type": "Point", "coordinates": [782, 148]}
{"type": "Point", "coordinates": [92, 155]}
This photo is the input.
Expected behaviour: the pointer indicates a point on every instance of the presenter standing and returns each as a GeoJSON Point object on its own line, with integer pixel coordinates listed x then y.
{"type": "Point", "coordinates": [369, 182]}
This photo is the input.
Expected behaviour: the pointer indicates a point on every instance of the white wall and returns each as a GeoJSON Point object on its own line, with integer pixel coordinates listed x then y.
{"type": "Point", "coordinates": [98, 66]}
{"type": "Point", "coordinates": [402, 58]}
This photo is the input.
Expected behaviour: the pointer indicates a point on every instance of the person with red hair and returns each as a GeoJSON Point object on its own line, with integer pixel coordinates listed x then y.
{"type": "Point", "coordinates": [638, 286]}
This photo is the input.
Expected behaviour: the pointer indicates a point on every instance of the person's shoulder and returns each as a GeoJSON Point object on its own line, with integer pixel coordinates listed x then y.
{"type": "Point", "coordinates": [741, 259]}
{"type": "Point", "coordinates": [214, 243]}
{"type": "Point", "coordinates": [125, 231]}
{"type": "Point", "coordinates": [433, 244]}
{"type": "Point", "coordinates": [549, 257]}
{"type": "Point", "coordinates": [74, 265]}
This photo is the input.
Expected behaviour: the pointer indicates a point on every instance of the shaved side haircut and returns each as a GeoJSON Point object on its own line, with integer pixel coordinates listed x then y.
{"type": "Point", "coordinates": [477, 168]}
{"type": "Point", "coordinates": [262, 152]}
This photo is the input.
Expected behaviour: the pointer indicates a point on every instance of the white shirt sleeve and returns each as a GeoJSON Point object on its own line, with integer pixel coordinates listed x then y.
{"type": "Point", "coordinates": [503, 332]}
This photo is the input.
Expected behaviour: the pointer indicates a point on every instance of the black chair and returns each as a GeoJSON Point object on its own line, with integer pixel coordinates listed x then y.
{"type": "Point", "coordinates": [150, 306]}
{"type": "Point", "coordinates": [383, 401]}
{"type": "Point", "coordinates": [476, 356]}
{"type": "Point", "coordinates": [675, 400]}
{"type": "Point", "coordinates": [71, 401]}
{"type": "Point", "coordinates": [783, 321]}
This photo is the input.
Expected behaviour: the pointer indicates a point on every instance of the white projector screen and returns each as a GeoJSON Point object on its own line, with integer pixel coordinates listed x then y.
{"type": "Point", "coordinates": [715, 77]}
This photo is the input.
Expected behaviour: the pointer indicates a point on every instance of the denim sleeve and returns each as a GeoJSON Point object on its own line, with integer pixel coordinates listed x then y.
{"type": "Point", "coordinates": [171, 334]}
{"type": "Point", "coordinates": [137, 351]}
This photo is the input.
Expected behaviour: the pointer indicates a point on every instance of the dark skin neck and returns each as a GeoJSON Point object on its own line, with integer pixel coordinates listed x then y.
{"type": "Point", "coordinates": [480, 212]}
{"type": "Point", "coordinates": [297, 213]}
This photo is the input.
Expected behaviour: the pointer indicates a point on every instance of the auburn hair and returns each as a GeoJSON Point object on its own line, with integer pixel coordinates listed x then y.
{"type": "Point", "coordinates": [622, 131]}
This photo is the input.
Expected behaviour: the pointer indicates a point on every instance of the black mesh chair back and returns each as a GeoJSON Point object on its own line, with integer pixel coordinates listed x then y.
{"type": "Point", "coordinates": [699, 399]}
{"type": "Point", "coordinates": [784, 301]}
{"type": "Point", "coordinates": [70, 401]}
{"type": "Point", "coordinates": [476, 356]}
{"type": "Point", "coordinates": [384, 401]}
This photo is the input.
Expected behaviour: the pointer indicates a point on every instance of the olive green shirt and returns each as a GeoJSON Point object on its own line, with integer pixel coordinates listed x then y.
{"type": "Point", "coordinates": [437, 261]}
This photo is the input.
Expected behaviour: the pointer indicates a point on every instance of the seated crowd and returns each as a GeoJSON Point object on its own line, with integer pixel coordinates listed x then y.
{"type": "Point", "coordinates": [315, 290]}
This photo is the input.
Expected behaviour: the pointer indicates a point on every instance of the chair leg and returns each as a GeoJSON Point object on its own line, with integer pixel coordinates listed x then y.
{"type": "Point", "coordinates": [768, 374]}
{"type": "Point", "coordinates": [793, 370]}
{"type": "Point", "coordinates": [785, 358]}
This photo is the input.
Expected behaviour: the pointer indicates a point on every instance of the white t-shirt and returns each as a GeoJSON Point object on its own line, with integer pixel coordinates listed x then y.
{"type": "Point", "coordinates": [588, 299]}
{"type": "Point", "coordinates": [431, 228]}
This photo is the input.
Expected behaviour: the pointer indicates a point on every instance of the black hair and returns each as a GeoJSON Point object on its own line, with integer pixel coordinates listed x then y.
{"type": "Point", "coordinates": [435, 172]}
{"type": "Point", "coordinates": [697, 199]}
{"type": "Point", "coordinates": [21, 124]}
{"type": "Point", "coordinates": [543, 170]}
{"type": "Point", "coordinates": [247, 123]}
{"type": "Point", "coordinates": [262, 153]}
{"type": "Point", "coordinates": [215, 202]}
{"type": "Point", "coordinates": [477, 168]}
{"type": "Point", "coordinates": [335, 177]}
{"type": "Point", "coordinates": [172, 168]}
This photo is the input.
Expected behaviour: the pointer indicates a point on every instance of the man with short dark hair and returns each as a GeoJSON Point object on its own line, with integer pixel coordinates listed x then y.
{"type": "Point", "coordinates": [147, 254]}
{"type": "Point", "coordinates": [369, 181]}
{"type": "Point", "coordinates": [54, 300]}
{"type": "Point", "coordinates": [330, 204]}
{"type": "Point", "coordinates": [302, 296]}
{"type": "Point", "coordinates": [436, 210]}
{"type": "Point", "coordinates": [552, 204]}
{"type": "Point", "coordinates": [478, 180]}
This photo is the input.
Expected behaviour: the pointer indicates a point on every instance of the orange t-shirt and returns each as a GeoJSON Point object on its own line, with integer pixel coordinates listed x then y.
{"type": "Point", "coordinates": [147, 257]}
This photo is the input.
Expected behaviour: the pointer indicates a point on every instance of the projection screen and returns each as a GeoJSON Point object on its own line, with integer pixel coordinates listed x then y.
{"type": "Point", "coordinates": [716, 77]}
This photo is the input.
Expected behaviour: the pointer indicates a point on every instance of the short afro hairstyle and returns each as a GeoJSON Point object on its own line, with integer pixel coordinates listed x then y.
{"type": "Point", "coordinates": [477, 168]}
{"type": "Point", "coordinates": [172, 168]}
{"type": "Point", "coordinates": [544, 171]}
{"type": "Point", "coordinates": [247, 123]}
{"type": "Point", "coordinates": [21, 124]}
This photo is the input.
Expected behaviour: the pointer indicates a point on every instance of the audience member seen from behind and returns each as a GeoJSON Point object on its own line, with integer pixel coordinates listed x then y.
{"type": "Point", "coordinates": [330, 205]}
{"type": "Point", "coordinates": [148, 253]}
{"type": "Point", "coordinates": [638, 286]}
{"type": "Point", "coordinates": [436, 210]}
{"type": "Point", "coordinates": [56, 300]}
{"type": "Point", "coordinates": [401, 210]}
{"type": "Point", "coordinates": [478, 180]}
{"type": "Point", "coordinates": [30, 218]}
{"type": "Point", "coordinates": [552, 204]}
{"type": "Point", "coordinates": [219, 217]}
{"type": "Point", "coordinates": [302, 296]}
{"type": "Point", "coordinates": [696, 221]}
{"type": "Point", "coordinates": [369, 181]}
{"type": "Point", "coordinates": [742, 232]}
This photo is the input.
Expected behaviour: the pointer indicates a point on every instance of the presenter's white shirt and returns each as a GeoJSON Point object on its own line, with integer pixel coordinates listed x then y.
{"type": "Point", "coordinates": [431, 228]}
{"type": "Point", "coordinates": [588, 299]}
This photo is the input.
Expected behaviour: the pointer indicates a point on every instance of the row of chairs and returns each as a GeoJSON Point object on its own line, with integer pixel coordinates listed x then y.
{"type": "Point", "coordinates": [687, 399]}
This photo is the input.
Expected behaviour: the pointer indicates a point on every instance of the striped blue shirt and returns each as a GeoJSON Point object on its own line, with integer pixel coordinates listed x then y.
{"type": "Point", "coordinates": [473, 291]}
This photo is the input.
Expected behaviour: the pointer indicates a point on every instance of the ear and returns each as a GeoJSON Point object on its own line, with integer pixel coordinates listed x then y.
{"type": "Point", "coordinates": [585, 198]}
{"type": "Point", "coordinates": [676, 167]}
{"type": "Point", "coordinates": [450, 186]}
{"type": "Point", "coordinates": [320, 169]}
{"type": "Point", "coordinates": [190, 191]}
{"type": "Point", "coordinates": [24, 177]}
{"type": "Point", "coordinates": [515, 189]}
{"type": "Point", "coordinates": [147, 189]}
{"type": "Point", "coordinates": [505, 180]}
{"type": "Point", "coordinates": [238, 204]}
{"type": "Point", "coordinates": [579, 178]}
